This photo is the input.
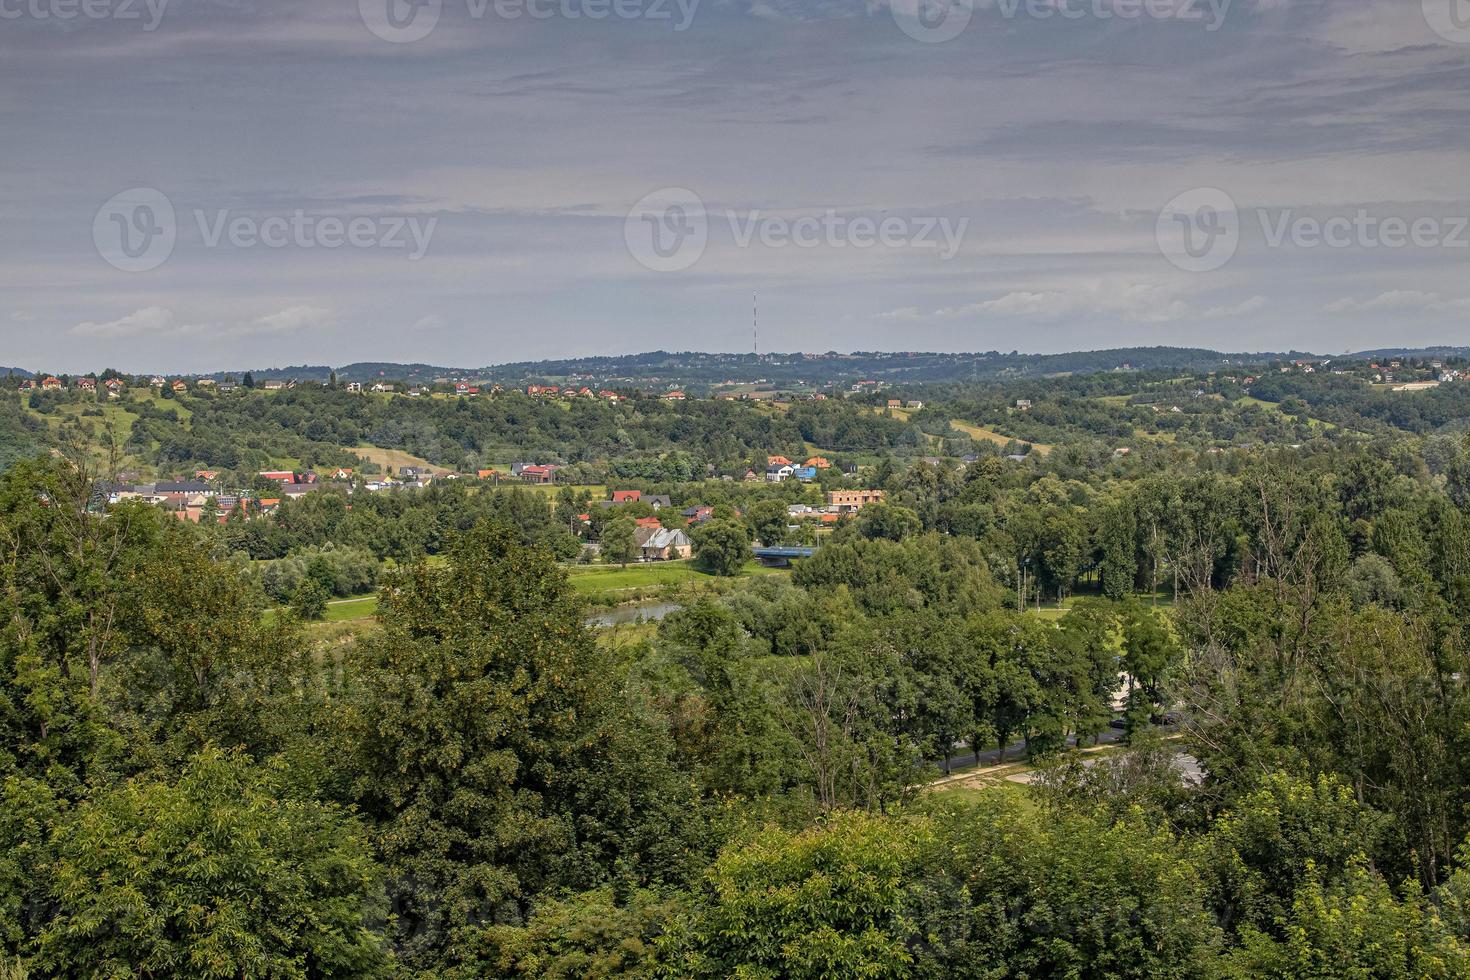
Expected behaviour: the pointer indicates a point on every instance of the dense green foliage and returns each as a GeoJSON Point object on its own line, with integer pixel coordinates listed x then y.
{"type": "Point", "coordinates": [478, 784]}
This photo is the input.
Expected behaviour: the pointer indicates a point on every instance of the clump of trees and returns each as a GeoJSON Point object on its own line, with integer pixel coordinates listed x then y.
{"type": "Point", "coordinates": [479, 787]}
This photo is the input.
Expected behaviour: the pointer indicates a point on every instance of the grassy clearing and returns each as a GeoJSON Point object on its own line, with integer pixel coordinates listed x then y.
{"type": "Point", "coordinates": [1051, 611]}
{"type": "Point", "coordinates": [391, 460]}
{"type": "Point", "coordinates": [345, 610]}
{"type": "Point", "coordinates": [1010, 778]}
{"type": "Point", "coordinates": [990, 435]}
{"type": "Point", "coordinates": [604, 578]}
{"type": "Point", "coordinates": [1276, 407]}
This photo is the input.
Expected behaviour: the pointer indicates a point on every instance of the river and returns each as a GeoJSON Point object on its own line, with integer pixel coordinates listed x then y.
{"type": "Point", "coordinates": [649, 612]}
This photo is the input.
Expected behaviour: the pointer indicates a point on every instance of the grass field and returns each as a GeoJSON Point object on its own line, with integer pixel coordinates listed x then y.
{"type": "Point", "coordinates": [348, 609]}
{"type": "Point", "coordinates": [391, 460]}
{"type": "Point", "coordinates": [1160, 600]}
{"type": "Point", "coordinates": [990, 435]}
{"type": "Point", "coordinates": [612, 578]}
{"type": "Point", "coordinates": [603, 584]}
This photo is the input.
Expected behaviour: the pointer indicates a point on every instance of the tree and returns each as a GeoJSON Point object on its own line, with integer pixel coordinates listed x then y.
{"type": "Point", "coordinates": [309, 600]}
{"type": "Point", "coordinates": [1357, 928]}
{"type": "Point", "coordinates": [1116, 545]}
{"type": "Point", "coordinates": [619, 541]}
{"type": "Point", "coordinates": [888, 522]}
{"type": "Point", "coordinates": [487, 740]}
{"type": "Point", "coordinates": [768, 520]}
{"type": "Point", "coordinates": [222, 874]}
{"type": "Point", "coordinates": [826, 902]}
{"type": "Point", "coordinates": [722, 547]}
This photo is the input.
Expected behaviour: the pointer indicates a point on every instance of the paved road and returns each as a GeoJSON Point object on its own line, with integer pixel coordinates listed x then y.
{"type": "Point", "coordinates": [1016, 752]}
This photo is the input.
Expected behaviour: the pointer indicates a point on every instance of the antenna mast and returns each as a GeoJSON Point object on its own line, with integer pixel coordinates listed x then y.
{"type": "Point", "coordinates": [755, 321]}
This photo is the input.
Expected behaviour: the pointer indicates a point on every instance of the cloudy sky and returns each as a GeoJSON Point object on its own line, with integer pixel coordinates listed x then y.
{"type": "Point", "coordinates": [193, 185]}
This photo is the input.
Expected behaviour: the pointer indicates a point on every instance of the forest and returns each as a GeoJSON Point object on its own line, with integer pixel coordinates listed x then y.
{"type": "Point", "coordinates": [1230, 686]}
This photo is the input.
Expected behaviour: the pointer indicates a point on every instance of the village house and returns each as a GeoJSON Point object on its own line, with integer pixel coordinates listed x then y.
{"type": "Point", "coordinates": [778, 474]}
{"type": "Point", "coordinates": [534, 472]}
{"type": "Point", "coordinates": [86, 384]}
{"type": "Point", "coordinates": [662, 544]}
{"type": "Point", "coordinates": [180, 385]}
{"type": "Point", "coordinates": [847, 501]}
{"type": "Point", "coordinates": [51, 384]}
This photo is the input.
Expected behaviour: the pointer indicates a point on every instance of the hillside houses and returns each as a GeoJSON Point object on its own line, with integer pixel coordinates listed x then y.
{"type": "Point", "coordinates": [663, 544]}
{"type": "Point", "coordinates": [535, 473]}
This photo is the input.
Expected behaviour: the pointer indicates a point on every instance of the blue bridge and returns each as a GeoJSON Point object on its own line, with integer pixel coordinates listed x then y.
{"type": "Point", "coordinates": [781, 557]}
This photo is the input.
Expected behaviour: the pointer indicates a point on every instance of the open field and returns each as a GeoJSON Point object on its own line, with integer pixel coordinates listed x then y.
{"type": "Point", "coordinates": [990, 435]}
{"type": "Point", "coordinates": [605, 578]}
{"type": "Point", "coordinates": [391, 459]}
{"type": "Point", "coordinates": [1158, 600]}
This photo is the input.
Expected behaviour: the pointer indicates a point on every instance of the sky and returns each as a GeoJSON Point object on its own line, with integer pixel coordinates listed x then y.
{"type": "Point", "coordinates": [200, 185]}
